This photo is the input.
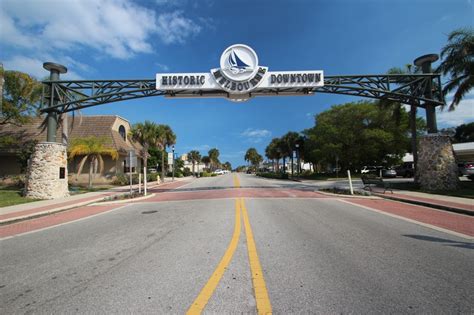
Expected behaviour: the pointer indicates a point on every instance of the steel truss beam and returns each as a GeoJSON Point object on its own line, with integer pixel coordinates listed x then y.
{"type": "Point", "coordinates": [407, 89]}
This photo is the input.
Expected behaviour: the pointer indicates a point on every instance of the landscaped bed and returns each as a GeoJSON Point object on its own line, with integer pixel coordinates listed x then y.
{"type": "Point", "coordinates": [12, 195]}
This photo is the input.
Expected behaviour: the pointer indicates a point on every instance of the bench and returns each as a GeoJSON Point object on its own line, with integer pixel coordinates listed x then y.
{"type": "Point", "coordinates": [376, 181]}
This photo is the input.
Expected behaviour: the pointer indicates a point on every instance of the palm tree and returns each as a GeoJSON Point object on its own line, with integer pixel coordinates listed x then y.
{"type": "Point", "coordinates": [458, 62]}
{"type": "Point", "coordinates": [92, 149]}
{"type": "Point", "coordinates": [145, 134]}
{"type": "Point", "coordinates": [282, 149]}
{"type": "Point", "coordinates": [206, 160]}
{"type": "Point", "coordinates": [194, 156]}
{"type": "Point", "coordinates": [290, 139]}
{"type": "Point", "coordinates": [253, 157]}
{"type": "Point", "coordinates": [272, 152]}
{"type": "Point", "coordinates": [228, 166]}
{"type": "Point", "coordinates": [214, 156]}
{"type": "Point", "coordinates": [165, 138]}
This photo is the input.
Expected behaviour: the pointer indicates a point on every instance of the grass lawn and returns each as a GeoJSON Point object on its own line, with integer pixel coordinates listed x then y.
{"type": "Point", "coordinates": [466, 189]}
{"type": "Point", "coordinates": [10, 195]}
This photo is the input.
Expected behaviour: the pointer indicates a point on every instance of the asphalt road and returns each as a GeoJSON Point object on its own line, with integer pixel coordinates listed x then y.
{"type": "Point", "coordinates": [318, 255]}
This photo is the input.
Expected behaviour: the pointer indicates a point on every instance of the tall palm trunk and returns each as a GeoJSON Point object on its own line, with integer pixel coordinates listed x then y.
{"type": "Point", "coordinates": [284, 164]}
{"type": "Point", "coordinates": [194, 173]}
{"type": "Point", "coordinates": [414, 148]}
{"type": "Point", "coordinates": [163, 166]}
{"type": "Point", "coordinates": [91, 165]}
{"type": "Point", "coordinates": [291, 164]}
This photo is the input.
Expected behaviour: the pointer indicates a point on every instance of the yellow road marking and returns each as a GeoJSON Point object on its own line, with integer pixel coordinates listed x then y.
{"type": "Point", "coordinates": [261, 295]}
{"type": "Point", "coordinates": [236, 181]}
{"type": "Point", "coordinates": [206, 293]}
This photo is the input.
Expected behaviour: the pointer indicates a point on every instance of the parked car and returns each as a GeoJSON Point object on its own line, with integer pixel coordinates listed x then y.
{"type": "Point", "coordinates": [371, 169]}
{"type": "Point", "coordinates": [466, 169]}
{"type": "Point", "coordinates": [405, 170]}
{"type": "Point", "coordinates": [152, 170]}
{"type": "Point", "coordinates": [389, 173]}
{"type": "Point", "coordinates": [379, 170]}
{"type": "Point", "coordinates": [218, 172]}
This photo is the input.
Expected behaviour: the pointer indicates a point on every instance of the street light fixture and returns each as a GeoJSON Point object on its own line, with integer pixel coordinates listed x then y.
{"type": "Point", "coordinates": [297, 159]}
{"type": "Point", "coordinates": [172, 148]}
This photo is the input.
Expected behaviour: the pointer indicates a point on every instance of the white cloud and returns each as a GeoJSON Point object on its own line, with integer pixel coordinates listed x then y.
{"type": "Point", "coordinates": [175, 28]}
{"type": "Point", "coordinates": [34, 67]}
{"type": "Point", "coordinates": [118, 28]}
{"type": "Point", "coordinates": [255, 135]}
{"type": "Point", "coordinates": [464, 113]}
{"type": "Point", "coordinates": [162, 66]}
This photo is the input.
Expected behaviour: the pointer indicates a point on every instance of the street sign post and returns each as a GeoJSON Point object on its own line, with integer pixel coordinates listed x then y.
{"type": "Point", "coordinates": [131, 161]}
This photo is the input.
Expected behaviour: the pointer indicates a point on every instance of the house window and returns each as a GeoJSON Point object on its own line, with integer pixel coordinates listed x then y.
{"type": "Point", "coordinates": [122, 132]}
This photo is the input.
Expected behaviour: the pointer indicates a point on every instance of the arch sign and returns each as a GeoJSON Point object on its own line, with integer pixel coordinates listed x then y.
{"type": "Point", "coordinates": [239, 77]}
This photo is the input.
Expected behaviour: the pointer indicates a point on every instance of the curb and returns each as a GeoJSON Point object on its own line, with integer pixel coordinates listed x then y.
{"type": "Point", "coordinates": [430, 205]}
{"type": "Point", "coordinates": [64, 208]}
{"type": "Point", "coordinates": [100, 203]}
{"type": "Point", "coordinates": [347, 196]}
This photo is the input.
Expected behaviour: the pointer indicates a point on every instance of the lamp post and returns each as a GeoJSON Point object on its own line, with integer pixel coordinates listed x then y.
{"type": "Point", "coordinates": [425, 62]}
{"type": "Point", "coordinates": [297, 160]}
{"type": "Point", "coordinates": [172, 149]}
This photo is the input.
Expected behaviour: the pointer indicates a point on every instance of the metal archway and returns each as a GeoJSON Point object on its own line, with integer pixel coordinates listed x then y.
{"type": "Point", "coordinates": [421, 90]}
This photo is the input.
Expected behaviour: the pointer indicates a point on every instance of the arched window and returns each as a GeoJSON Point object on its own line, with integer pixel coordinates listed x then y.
{"type": "Point", "coordinates": [122, 132]}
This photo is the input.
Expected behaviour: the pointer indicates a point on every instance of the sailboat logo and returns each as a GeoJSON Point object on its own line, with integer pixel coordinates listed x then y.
{"type": "Point", "coordinates": [239, 63]}
{"type": "Point", "coordinates": [236, 65]}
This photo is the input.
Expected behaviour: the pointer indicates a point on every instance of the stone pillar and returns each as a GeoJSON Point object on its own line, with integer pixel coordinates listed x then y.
{"type": "Point", "coordinates": [47, 172]}
{"type": "Point", "coordinates": [437, 168]}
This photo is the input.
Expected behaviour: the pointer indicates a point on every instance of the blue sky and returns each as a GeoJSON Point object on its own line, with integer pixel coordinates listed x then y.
{"type": "Point", "coordinates": [125, 39]}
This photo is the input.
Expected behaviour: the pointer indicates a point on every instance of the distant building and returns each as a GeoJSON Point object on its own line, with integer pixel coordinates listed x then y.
{"type": "Point", "coordinates": [198, 166]}
{"type": "Point", "coordinates": [113, 129]}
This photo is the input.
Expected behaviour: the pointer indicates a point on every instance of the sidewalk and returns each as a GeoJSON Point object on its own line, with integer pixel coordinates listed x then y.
{"type": "Point", "coordinates": [43, 207]}
{"type": "Point", "coordinates": [448, 203]}
{"type": "Point", "coordinates": [442, 202]}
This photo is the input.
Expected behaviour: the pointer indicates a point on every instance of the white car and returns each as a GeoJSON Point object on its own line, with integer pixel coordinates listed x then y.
{"type": "Point", "coordinates": [218, 172]}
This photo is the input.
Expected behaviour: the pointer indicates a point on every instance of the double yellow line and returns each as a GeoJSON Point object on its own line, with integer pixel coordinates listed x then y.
{"type": "Point", "coordinates": [258, 281]}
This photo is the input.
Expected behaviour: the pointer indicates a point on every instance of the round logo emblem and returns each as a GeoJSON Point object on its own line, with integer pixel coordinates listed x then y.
{"type": "Point", "coordinates": [239, 62]}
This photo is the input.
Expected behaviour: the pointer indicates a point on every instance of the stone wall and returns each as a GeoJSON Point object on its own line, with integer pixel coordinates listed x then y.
{"type": "Point", "coordinates": [437, 168]}
{"type": "Point", "coordinates": [43, 180]}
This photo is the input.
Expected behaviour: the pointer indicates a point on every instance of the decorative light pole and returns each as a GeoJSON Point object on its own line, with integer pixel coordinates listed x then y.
{"type": "Point", "coordinates": [425, 62]}
{"type": "Point", "coordinates": [172, 148]}
{"type": "Point", "coordinates": [297, 160]}
{"type": "Point", "coordinates": [54, 71]}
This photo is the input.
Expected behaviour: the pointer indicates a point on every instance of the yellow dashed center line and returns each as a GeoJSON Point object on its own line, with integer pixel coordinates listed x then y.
{"type": "Point", "coordinates": [206, 293]}
{"type": "Point", "coordinates": [261, 295]}
{"type": "Point", "coordinates": [236, 181]}
{"type": "Point", "coordinates": [258, 282]}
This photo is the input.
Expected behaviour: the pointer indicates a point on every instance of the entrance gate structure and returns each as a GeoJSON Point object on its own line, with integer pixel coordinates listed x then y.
{"type": "Point", "coordinates": [240, 78]}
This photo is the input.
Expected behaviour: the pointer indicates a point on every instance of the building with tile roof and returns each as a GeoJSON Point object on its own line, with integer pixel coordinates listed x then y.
{"type": "Point", "coordinates": [113, 129]}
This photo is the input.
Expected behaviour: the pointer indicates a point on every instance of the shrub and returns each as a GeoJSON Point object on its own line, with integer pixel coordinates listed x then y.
{"type": "Point", "coordinates": [205, 174]}
{"type": "Point", "coordinates": [273, 175]}
{"type": "Point", "coordinates": [124, 179]}
{"type": "Point", "coordinates": [187, 171]}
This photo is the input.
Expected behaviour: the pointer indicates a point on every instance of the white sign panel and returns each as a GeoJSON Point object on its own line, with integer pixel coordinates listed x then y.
{"type": "Point", "coordinates": [170, 158]}
{"type": "Point", "coordinates": [239, 74]}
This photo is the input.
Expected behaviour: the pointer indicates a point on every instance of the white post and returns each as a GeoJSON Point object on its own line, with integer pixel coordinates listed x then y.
{"type": "Point", "coordinates": [144, 181]}
{"type": "Point", "coordinates": [130, 172]}
{"type": "Point", "coordinates": [350, 182]}
{"type": "Point", "coordinates": [139, 182]}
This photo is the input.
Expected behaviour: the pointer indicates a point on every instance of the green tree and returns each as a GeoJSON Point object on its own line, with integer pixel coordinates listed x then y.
{"type": "Point", "coordinates": [290, 139]}
{"type": "Point", "coordinates": [21, 97]}
{"type": "Point", "coordinates": [206, 160]}
{"type": "Point", "coordinates": [92, 148]}
{"type": "Point", "coordinates": [214, 156]}
{"type": "Point", "coordinates": [458, 62]}
{"type": "Point", "coordinates": [253, 158]}
{"type": "Point", "coordinates": [272, 152]}
{"type": "Point", "coordinates": [359, 134]}
{"type": "Point", "coordinates": [195, 157]}
{"type": "Point", "coordinates": [147, 135]}
{"type": "Point", "coordinates": [464, 133]}
{"type": "Point", "coordinates": [165, 138]}
{"type": "Point", "coordinates": [228, 166]}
